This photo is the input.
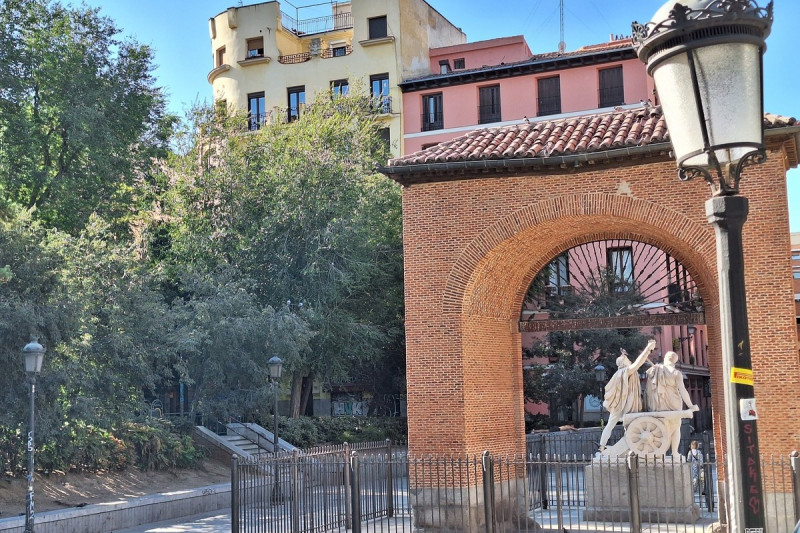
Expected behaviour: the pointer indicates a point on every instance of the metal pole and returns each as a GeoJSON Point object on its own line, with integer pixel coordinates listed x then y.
{"type": "Point", "coordinates": [29, 513]}
{"type": "Point", "coordinates": [794, 459]}
{"type": "Point", "coordinates": [633, 493]}
{"type": "Point", "coordinates": [276, 489]}
{"type": "Point", "coordinates": [746, 503]}
{"type": "Point", "coordinates": [235, 493]}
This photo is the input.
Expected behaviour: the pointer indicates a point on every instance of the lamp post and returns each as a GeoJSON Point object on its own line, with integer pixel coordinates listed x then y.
{"type": "Point", "coordinates": [33, 355]}
{"type": "Point", "coordinates": [706, 59]}
{"type": "Point", "coordinates": [600, 378]}
{"type": "Point", "coordinates": [275, 365]}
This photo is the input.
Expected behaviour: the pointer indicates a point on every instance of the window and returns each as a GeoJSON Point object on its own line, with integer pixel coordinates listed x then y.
{"type": "Point", "coordinates": [255, 47]}
{"type": "Point", "coordinates": [795, 255]}
{"type": "Point", "coordinates": [340, 88]}
{"type": "Point", "coordinates": [432, 112]}
{"type": "Point", "coordinates": [549, 100]}
{"type": "Point", "coordinates": [459, 63]}
{"type": "Point", "coordinates": [339, 51]}
{"type": "Point", "coordinates": [386, 138]}
{"type": "Point", "coordinates": [559, 274]}
{"type": "Point", "coordinates": [489, 104]}
{"type": "Point", "coordinates": [425, 146]}
{"type": "Point", "coordinates": [444, 66]}
{"type": "Point", "coordinates": [796, 275]}
{"type": "Point", "coordinates": [220, 56]}
{"type": "Point", "coordinates": [255, 110]}
{"type": "Point", "coordinates": [612, 92]}
{"type": "Point", "coordinates": [620, 268]}
{"type": "Point", "coordinates": [377, 27]}
{"type": "Point", "coordinates": [379, 91]}
{"type": "Point", "coordinates": [297, 99]}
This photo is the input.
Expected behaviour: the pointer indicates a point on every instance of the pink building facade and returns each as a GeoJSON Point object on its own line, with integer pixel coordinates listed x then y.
{"type": "Point", "coordinates": [498, 82]}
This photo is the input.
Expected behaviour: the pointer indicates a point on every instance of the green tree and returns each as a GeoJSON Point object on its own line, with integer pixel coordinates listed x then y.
{"type": "Point", "coordinates": [569, 376]}
{"type": "Point", "coordinates": [80, 118]}
{"type": "Point", "coordinates": [299, 211]}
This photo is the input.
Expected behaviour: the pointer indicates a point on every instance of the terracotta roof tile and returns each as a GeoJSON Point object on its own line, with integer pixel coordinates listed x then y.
{"type": "Point", "coordinates": [568, 136]}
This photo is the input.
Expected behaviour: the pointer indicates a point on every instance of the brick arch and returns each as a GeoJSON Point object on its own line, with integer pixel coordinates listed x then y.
{"type": "Point", "coordinates": [491, 276]}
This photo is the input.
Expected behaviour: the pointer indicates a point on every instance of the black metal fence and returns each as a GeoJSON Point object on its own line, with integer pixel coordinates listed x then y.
{"type": "Point", "coordinates": [381, 488]}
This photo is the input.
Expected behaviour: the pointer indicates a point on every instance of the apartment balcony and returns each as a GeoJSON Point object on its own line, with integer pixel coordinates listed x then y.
{"type": "Point", "coordinates": [337, 22]}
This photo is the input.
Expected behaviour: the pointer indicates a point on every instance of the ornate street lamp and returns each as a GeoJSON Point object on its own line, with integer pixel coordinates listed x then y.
{"type": "Point", "coordinates": [600, 378]}
{"type": "Point", "coordinates": [33, 354]}
{"type": "Point", "coordinates": [705, 57]}
{"type": "Point", "coordinates": [275, 365]}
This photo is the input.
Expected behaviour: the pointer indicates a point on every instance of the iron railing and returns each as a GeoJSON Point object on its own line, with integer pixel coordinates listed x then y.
{"type": "Point", "coordinates": [432, 121]}
{"type": "Point", "coordinates": [388, 490]}
{"type": "Point", "coordinates": [611, 96]}
{"type": "Point", "coordinates": [339, 21]}
{"type": "Point", "coordinates": [548, 105]}
{"type": "Point", "coordinates": [488, 113]}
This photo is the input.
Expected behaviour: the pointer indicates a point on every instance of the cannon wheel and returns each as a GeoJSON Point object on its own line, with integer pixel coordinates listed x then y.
{"type": "Point", "coordinates": [647, 435]}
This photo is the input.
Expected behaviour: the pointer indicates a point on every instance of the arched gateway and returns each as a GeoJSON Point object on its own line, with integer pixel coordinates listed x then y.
{"type": "Point", "coordinates": [482, 214]}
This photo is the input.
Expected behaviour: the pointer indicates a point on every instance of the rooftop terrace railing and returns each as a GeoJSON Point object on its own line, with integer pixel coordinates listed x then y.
{"type": "Point", "coordinates": [339, 21]}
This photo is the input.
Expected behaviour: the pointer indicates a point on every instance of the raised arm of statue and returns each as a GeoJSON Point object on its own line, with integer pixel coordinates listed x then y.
{"type": "Point", "coordinates": [642, 357]}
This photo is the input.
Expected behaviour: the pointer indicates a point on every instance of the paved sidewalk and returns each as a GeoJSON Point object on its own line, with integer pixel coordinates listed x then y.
{"type": "Point", "coordinates": [216, 522]}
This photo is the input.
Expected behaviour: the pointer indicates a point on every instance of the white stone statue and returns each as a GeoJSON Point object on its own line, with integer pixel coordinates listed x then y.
{"type": "Point", "coordinates": [622, 393]}
{"type": "Point", "coordinates": [665, 391]}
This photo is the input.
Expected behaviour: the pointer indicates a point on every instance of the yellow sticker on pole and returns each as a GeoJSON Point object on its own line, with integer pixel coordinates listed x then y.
{"type": "Point", "coordinates": [743, 376]}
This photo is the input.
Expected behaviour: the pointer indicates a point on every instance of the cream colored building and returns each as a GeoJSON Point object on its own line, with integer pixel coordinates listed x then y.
{"type": "Point", "coordinates": [270, 63]}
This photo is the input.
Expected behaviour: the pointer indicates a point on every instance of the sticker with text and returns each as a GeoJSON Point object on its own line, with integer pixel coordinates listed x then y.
{"type": "Point", "coordinates": [743, 376]}
{"type": "Point", "coordinates": [747, 409]}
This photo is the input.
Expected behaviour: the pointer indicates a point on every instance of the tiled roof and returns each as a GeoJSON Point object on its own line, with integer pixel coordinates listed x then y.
{"type": "Point", "coordinates": [554, 140]}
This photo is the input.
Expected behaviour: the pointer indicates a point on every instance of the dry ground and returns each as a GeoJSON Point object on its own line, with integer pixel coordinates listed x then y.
{"type": "Point", "coordinates": [59, 491]}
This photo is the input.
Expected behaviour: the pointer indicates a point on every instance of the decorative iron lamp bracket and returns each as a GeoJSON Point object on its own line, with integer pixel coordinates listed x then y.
{"type": "Point", "coordinates": [676, 40]}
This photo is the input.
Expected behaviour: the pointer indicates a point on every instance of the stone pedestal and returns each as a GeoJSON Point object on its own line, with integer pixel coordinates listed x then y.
{"type": "Point", "coordinates": [665, 491]}
{"type": "Point", "coordinates": [463, 508]}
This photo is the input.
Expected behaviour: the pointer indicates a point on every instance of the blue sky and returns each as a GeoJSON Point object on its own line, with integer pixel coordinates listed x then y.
{"type": "Point", "coordinates": [178, 32]}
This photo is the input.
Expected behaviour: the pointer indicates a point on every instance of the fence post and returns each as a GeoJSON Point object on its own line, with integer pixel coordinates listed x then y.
{"type": "Point", "coordinates": [559, 495]}
{"type": "Point", "coordinates": [633, 492]}
{"type": "Point", "coordinates": [295, 491]}
{"type": "Point", "coordinates": [348, 494]}
{"type": "Point", "coordinates": [543, 471]}
{"type": "Point", "coordinates": [356, 492]}
{"type": "Point", "coordinates": [794, 460]}
{"type": "Point", "coordinates": [234, 493]}
{"type": "Point", "coordinates": [389, 480]}
{"type": "Point", "coordinates": [487, 462]}
{"type": "Point", "coordinates": [708, 484]}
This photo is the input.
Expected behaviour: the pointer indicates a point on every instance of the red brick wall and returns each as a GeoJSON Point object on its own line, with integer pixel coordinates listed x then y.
{"type": "Point", "coordinates": [473, 246]}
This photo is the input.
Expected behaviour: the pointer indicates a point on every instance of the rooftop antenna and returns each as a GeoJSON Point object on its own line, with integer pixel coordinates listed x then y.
{"type": "Point", "coordinates": [562, 46]}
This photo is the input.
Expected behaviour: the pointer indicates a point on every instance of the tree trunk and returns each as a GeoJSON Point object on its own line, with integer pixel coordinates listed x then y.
{"type": "Point", "coordinates": [307, 392]}
{"type": "Point", "coordinates": [297, 389]}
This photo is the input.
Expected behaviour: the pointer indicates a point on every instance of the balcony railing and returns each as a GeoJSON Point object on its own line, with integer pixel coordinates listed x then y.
{"type": "Point", "coordinates": [337, 51]}
{"type": "Point", "coordinates": [611, 96]}
{"type": "Point", "coordinates": [549, 105]}
{"type": "Point", "coordinates": [339, 21]}
{"type": "Point", "coordinates": [432, 121]}
{"type": "Point", "coordinates": [291, 59]}
{"type": "Point", "coordinates": [488, 113]}
{"type": "Point", "coordinates": [381, 104]}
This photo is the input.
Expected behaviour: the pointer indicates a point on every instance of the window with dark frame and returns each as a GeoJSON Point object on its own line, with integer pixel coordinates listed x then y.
{"type": "Point", "coordinates": [444, 66]}
{"type": "Point", "coordinates": [620, 268]}
{"type": "Point", "coordinates": [377, 27]}
{"type": "Point", "coordinates": [339, 50]}
{"type": "Point", "coordinates": [432, 112]}
{"type": "Point", "coordinates": [549, 96]}
{"type": "Point", "coordinates": [340, 88]}
{"type": "Point", "coordinates": [379, 92]}
{"type": "Point", "coordinates": [459, 63]}
{"type": "Point", "coordinates": [255, 111]}
{"type": "Point", "coordinates": [385, 135]}
{"type": "Point", "coordinates": [489, 104]}
{"type": "Point", "coordinates": [296, 101]}
{"type": "Point", "coordinates": [220, 56]}
{"type": "Point", "coordinates": [611, 87]}
{"type": "Point", "coordinates": [255, 47]}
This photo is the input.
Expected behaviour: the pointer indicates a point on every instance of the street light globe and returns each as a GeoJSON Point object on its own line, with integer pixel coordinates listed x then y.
{"type": "Point", "coordinates": [275, 365]}
{"type": "Point", "coordinates": [599, 373]}
{"type": "Point", "coordinates": [705, 57]}
{"type": "Point", "coordinates": [33, 354]}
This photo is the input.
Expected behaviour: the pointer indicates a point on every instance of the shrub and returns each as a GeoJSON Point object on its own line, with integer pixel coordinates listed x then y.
{"type": "Point", "coordinates": [306, 432]}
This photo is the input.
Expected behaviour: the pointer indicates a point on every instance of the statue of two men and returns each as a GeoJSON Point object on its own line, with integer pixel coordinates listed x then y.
{"type": "Point", "coordinates": [664, 391]}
